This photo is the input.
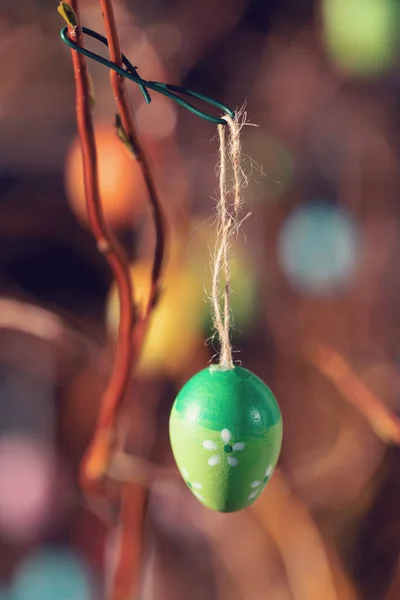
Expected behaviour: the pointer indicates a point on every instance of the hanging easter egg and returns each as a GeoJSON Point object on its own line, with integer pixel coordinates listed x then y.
{"type": "Point", "coordinates": [226, 435]}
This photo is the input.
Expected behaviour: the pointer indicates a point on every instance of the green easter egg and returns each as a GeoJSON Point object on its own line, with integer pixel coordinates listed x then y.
{"type": "Point", "coordinates": [226, 435]}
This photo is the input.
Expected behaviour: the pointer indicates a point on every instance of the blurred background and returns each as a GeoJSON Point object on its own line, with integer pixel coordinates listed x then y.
{"type": "Point", "coordinates": [316, 296]}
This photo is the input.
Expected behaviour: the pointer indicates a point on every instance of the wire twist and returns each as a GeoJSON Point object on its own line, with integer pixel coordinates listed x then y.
{"type": "Point", "coordinates": [130, 72]}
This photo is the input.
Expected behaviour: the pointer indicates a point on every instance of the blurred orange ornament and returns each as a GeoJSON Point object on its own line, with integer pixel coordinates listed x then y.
{"type": "Point", "coordinates": [123, 191]}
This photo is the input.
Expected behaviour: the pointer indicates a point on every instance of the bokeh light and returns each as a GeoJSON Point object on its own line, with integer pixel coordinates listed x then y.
{"type": "Point", "coordinates": [157, 120]}
{"type": "Point", "coordinates": [27, 477]}
{"type": "Point", "coordinates": [54, 574]}
{"type": "Point", "coordinates": [168, 38]}
{"type": "Point", "coordinates": [318, 248]}
{"type": "Point", "coordinates": [270, 165]}
{"type": "Point", "coordinates": [244, 283]}
{"type": "Point", "coordinates": [360, 35]}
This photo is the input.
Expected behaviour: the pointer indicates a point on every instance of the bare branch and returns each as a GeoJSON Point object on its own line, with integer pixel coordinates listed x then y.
{"type": "Point", "coordinates": [94, 464]}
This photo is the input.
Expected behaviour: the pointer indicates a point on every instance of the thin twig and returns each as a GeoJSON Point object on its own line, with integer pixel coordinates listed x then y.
{"type": "Point", "coordinates": [381, 419]}
{"type": "Point", "coordinates": [134, 497]}
{"type": "Point", "coordinates": [118, 87]}
{"type": "Point", "coordinates": [313, 568]}
{"type": "Point", "coordinates": [97, 455]}
{"type": "Point", "coordinates": [126, 576]}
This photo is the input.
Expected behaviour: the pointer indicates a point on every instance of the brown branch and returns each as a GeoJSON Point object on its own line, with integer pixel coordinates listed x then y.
{"type": "Point", "coordinates": [381, 419]}
{"type": "Point", "coordinates": [97, 458]}
{"type": "Point", "coordinates": [126, 577]}
{"type": "Point", "coordinates": [313, 568]}
{"type": "Point", "coordinates": [97, 455]}
{"type": "Point", "coordinates": [118, 87]}
{"type": "Point", "coordinates": [134, 498]}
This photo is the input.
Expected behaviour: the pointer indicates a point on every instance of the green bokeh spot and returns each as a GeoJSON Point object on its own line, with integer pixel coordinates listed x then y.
{"type": "Point", "coordinates": [362, 35]}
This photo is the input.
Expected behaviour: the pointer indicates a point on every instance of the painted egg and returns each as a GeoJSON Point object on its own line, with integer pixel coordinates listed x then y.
{"type": "Point", "coordinates": [226, 435]}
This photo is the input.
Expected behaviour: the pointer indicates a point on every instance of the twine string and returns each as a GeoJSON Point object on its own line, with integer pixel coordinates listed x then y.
{"type": "Point", "coordinates": [228, 223]}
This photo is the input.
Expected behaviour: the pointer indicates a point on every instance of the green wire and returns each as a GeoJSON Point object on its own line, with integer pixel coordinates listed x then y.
{"type": "Point", "coordinates": [130, 72]}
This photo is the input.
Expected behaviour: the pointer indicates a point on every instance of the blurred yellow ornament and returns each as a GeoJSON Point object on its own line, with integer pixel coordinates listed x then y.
{"type": "Point", "coordinates": [360, 35]}
{"type": "Point", "coordinates": [122, 188]}
{"type": "Point", "coordinates": [182, 318]}
{"type": "Point", "coordinates": [174, 329]}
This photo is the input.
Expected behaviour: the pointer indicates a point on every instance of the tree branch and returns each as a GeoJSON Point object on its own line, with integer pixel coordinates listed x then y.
{"type": "Point", "coordinates": [97, 455]}
{"type": "Point", "coordinates": [131, 335]}
{"type": "Point", "coordinates": [134, 498]}
{"type": "Point", "coordinates": [381, 419]}
{"type": "Point", "coordinates": [118, 87]}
